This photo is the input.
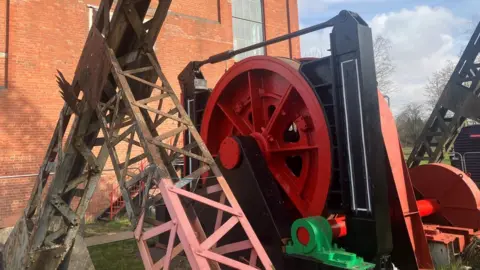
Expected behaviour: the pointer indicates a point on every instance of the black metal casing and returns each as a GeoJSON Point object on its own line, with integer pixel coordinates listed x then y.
{"type": "Point", "coordinates": [346, 85]}
{"type": "Point", "coordinates": [364, 162]}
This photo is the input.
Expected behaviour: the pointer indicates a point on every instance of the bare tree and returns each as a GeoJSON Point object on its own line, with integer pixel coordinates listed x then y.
{"type": "Point", "coordinates": [410, 123]}
{"type": "Point", "coordinates": [314, 52]}
{"type": "Point", "coordinates": [384, 65]}
{"type": "Point", "coordinates": [437, 82]}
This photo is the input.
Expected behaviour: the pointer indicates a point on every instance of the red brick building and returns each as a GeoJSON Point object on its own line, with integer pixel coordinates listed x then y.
{"type": "Point", "coordinates": [37, 37]}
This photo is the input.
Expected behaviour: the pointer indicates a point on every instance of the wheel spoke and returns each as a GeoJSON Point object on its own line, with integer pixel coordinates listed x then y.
{"type": "Point", "coordinates": [300, 148]}
{"type": "Point", "coordinates": [278, 110]}
{"type": "Point", "coordinates": [254, 85]}
{"type": "Point", "coordinates": [237, 121]}
{"type": "Point", "coordinates": [290, 182]}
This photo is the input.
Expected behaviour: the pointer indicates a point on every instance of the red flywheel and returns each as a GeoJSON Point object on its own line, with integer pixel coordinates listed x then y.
{"type": "Point", "coordinates": [268, 99]}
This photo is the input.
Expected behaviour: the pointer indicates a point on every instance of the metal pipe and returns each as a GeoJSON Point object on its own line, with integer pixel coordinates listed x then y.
{"type": "Point", "coordinates": [7, 41]}
{"type": "Point", "coordinates": [231, 53]}
{"type": "Point", "coordinates": [428, 207]}
{"type": "Point", "coordinates": [339, 227]}
{"type": "Point", "coordinates": [19, 176]}
{"type": "Point", "coordinates": [34, 174]}
{"type": "Point", "coordinates": [289, 28]}
{"type": "Point", "coordinates": [264, 25]}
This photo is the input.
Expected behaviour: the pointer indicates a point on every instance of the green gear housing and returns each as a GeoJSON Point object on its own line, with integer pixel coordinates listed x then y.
{"type": "Point", "coordinates": [320, 246]}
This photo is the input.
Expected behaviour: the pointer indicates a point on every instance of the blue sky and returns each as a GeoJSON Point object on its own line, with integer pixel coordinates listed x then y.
{"type": "Point", "coordinates": [424, 35]}
{"type": "Point", "coordinates": [369, 8]}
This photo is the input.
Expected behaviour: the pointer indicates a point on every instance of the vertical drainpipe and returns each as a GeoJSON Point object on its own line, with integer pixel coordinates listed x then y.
{"type": "Point", "coordinates": [290, 50]}
{"type": "Point", "coordinates": [7, 24]}
{"type": "Point", "coordinates": [264, 25]}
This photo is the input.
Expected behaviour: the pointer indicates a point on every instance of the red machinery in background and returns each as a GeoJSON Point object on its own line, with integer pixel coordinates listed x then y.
{"type": "Point", "coordinates": [304, 138]}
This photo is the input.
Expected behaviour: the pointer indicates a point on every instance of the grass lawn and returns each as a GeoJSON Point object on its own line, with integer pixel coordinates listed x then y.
{"type": "Point", "coordinates": [116, 256]}
{"type": "Point", "coordinates": [99, 228]}
{"type": "Point", "coordinates": [408, 150]}
{"type": "Point", "coordinates": [121, 255]}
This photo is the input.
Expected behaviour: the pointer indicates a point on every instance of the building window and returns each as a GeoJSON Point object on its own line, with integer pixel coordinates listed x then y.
{"type": "Point", "coordinates": [247, 26]}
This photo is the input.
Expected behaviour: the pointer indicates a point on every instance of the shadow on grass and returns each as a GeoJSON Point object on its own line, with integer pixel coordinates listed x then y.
{"type": "Point", "coordinates": [100, 228]}
{"type": "Point", "coordinates": [116, 256]}
{"type": "Point", "coordinates": [124, 254]}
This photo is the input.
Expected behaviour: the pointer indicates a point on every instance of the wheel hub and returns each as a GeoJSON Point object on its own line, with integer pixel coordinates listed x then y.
{"type": "Point", "coordinates": [262, 143]}
{"type": "Point", "coordinates": [229, 153]}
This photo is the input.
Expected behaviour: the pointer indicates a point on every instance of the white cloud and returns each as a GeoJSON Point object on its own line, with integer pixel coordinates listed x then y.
{"type": "Point", "coordinates": [423, 39]}
{"type": "Point", "coordinates": [315, 44]}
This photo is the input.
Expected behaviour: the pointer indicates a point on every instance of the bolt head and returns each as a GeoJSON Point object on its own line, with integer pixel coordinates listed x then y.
{"type": "Point", "coordinates": [238, 108]}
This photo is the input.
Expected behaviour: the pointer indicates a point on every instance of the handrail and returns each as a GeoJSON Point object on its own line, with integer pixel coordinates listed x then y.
{"type": "Point", "coordinates": [117, 202]}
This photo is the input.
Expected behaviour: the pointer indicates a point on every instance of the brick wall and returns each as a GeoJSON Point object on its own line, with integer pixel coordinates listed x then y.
{"type": "Point", "coordinates": [14, 194]}
{"type": "Point", "coordinates": [3, 63]}
{"type": "Point", "coordinates": [48, 35]}
{"type": "Point", "coordinates": [276, 24]}
{"type": "Point", "coordinates": [39, 43]}
{"type": "Point", "coordinates": [207, 9]}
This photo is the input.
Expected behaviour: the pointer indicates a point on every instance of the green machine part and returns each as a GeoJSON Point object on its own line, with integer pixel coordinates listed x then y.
{"type": "Point", "coordinates": [318, 245]}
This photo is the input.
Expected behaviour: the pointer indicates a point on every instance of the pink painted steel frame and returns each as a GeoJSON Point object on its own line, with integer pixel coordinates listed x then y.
{"type": "Point", "coordinates": [201, 250]}
{"type": "Point", "coordinates": [199, 254]}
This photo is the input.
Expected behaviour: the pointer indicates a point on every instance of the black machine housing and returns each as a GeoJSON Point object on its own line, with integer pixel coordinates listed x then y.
{"type": "Point", "coordinates": [345, 83]}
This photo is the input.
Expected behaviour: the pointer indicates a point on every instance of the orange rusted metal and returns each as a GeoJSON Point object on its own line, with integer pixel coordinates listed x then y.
{"type": "Point", "coordinates": [403, 202]}
{"type": "Point", "coordinates": [428, 207]}
{"type": "Point", "coordinates": [445, 242]}
{"type": "Point", "coordinates": [456, 193]}
{"type": "Point", "coordinates": [339, 227]}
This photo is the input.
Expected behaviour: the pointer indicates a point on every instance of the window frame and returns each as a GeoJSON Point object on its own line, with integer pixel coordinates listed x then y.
{"type": "Point", "coordinates": [262, 27]}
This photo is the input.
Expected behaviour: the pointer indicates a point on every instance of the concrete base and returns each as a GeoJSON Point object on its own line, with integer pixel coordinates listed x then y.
{"type": "Point", "coordinates": [442, 253]}
{"type": "Point", "coordinates": [108, 238]}
{"type": "Point", "coordinates": [15, 247]}
{"type": "Point", "coordinates": [79, 258]}
{"type": "Point", "coordinates": [4, 233]}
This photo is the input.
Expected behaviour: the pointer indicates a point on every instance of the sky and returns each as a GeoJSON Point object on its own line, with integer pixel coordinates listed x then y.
{"type": "Point", "coordinates": [424, 35]}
